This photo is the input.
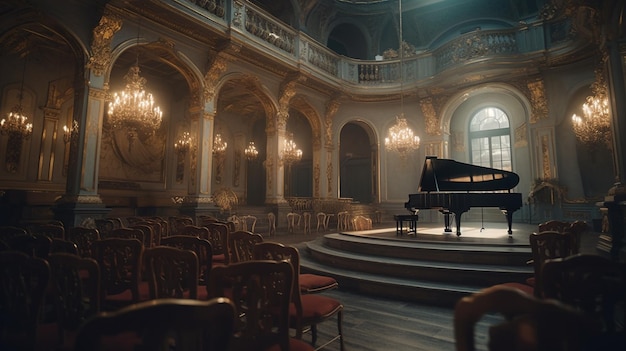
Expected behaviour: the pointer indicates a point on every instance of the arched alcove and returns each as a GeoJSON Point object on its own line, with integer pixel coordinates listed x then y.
{"type": "Point", "coordinates": [357, 173]}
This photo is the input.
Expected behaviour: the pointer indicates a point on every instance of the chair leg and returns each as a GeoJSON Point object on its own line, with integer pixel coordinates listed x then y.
{"type": "Point", "coordinates": [313, 334]}
{"type": "Point", "coordinates": [340, 329]}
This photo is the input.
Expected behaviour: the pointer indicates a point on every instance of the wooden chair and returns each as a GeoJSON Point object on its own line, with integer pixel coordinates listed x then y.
{"type": "Point", "coordinates": [23, 282]}
{"type": "Point", "coordinates": [595, 285]}
{"type": "Point", "coordinates": [7, 232]}
{"type": "Point", "coordinates": [271, 224]}
{"type": "Point", "coordinates": [164, 324]}
{"type": "Point", "coordinates": [204, 219]}
{"type": "Point", "coordinates": [60, 245]}
{"type": "Point", "coordinates": [306, 310]}
{"type": "Point", "coordinates": [203, 250]}
{"type": "Point", "coordinates": [218, 237]}
{"type": "Point", "coordinates": [241, 244]}
{"type": "Point", "coordinates": [306, 219]}
{"type": "Point", "coordinates": [171, 272]}
{"type": "Point", "coordinates": [36, 246]}
{"type": "Point", "coordinates": [544, 246]}
{"type": "Point", "coordinates": [529, 323]}
{"type": "Point", "coordinates": [83, 238]}
{"type": "Point", "coordinates": [261, 292]}
{"type": "Point", "coordinates": [193, 230]}
{"type": "Point", "coordinates": [293, 221]}
{"type": "Point", "coordinates": [576, 230]}
{"type": "Point", "coordinates": [52, 231]}
{"type": "Point", "coordinates": [361, 223]}
{"type": "Point", "coordinates": [105, 226]}
{"type": "Point", "coordinates": [248, 223]}
{"type": "Point", "coordinates": [127, 233]}
{"type": "Point", "coordinates": [321, 221]}
{"type": "Point", "coordinates": [76, 297]}
{"type": "Point", "coordinates": [120, 266]}
{"type": "Point", "coordinates": [177, 223]}
{"type": "Point", "coordinates": [343, 221]}
{"type": "Point", "coordinates": [147, 231]}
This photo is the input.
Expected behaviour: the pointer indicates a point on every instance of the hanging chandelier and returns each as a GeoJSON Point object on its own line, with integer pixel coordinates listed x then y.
{"type": "Point", "coordinates": [594, 126]}
{"type": "Point", "coordinates": [251, 152]}
{"type": "Point", "coordinates": [219, 146]}
{"type": "Point", "coordinates": [400, 137]}
{"type": "Point", "coordinates": [16, 123]}
{"type": "Point", "coordinates": [134, 106]}
{"type": "Point", "coordinates": [291, 153]}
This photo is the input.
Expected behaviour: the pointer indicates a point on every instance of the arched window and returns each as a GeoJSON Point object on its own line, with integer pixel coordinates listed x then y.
{"type": "Point", "coordinates": [490, 139]}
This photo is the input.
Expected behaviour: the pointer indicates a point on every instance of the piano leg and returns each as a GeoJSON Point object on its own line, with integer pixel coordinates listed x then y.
{"type": "Point", "coordinates": [457, 220]}
{"type": "Point", "coordinates": [509, 220]}
{"type": "Point", "coordinates": [446, 220]}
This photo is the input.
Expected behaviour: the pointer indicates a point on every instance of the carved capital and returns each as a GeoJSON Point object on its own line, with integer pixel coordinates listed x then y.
{"type": "Point", "coordinates": [216, 68]}
{"type": "Point", "coordinates": [101, 43]}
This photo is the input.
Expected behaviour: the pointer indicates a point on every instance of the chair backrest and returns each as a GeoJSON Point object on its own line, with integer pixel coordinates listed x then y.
{"type": "Point", "coordinates": [261, 292]}
{"type": "Point", "coordinates": [241, 244]}
{"type": "Point", "coordinates": [105, 226]}
{"type": "Point", "coordinates": [53, 231]}
{"type": "Point", "coordinates": [177, 223]}
{"type": "Point", "coordinates": [120, 265]}
{"type": "Point", "coordinates": [592, 283]}
{"type": "Point", "coordinates": [7, 232]}
{"type": "Point", "coordinates": [164, 324]}
{"type": "Point", "coordinates": [194, 230]}
{"type": "Point", "coordinates": [554, 225]}
{"type": "Point", "coordinates": [126, 233]}
{"type": "Point", "coordinates": [76, 289]}
{"type": "Point", "coordinates": [547, 245]}
{"type": "Point", "coordinates": [218, 237]}
{"type": "Point", "coordinates": [278, 252]}
{"type": "Point", "coordinates": [23, 281]}
{"type": "Point", "coordinates": [148, 232]}
{"type": "Point", "coordinates": [37, 246]}
{"type": "Point", "coordinates": [171, 272]}
{"type": "Point", "coordinates": [576, 230]}
{"type": "Point", "coordinates": [361, 223]}
{"type": "Point", "coordinates": [60, 245]}
{"type": "Point", "coordinates": [530, 323]}
{"type": "Point", "coordinates": [201, 247]}
{"type": "Point", "coordinates": [83, 238]}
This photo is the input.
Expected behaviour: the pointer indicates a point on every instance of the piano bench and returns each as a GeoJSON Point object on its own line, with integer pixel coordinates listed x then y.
{"type": "Point", "coordinates": [410, 220]}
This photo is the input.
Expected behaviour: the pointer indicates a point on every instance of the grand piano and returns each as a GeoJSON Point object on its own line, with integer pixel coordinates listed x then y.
{"type": "Point", "coordinates": [455, 187]}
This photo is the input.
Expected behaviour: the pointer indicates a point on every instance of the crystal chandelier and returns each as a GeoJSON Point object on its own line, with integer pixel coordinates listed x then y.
{"type": "Point", "coordinates": [291, 153]}
{"type": "Point", "coordinates": [251, 152]}
{"type": "Point", "coordinates": [16, 124]}
{"type": "Point", "coordinates": [594, 126]}
{"type": "Point", "coordinates": [400, 138]}
{"type": "Point", "coordinates": [134, 105]}
{"type": "Point", "coordinates": [219, 146]}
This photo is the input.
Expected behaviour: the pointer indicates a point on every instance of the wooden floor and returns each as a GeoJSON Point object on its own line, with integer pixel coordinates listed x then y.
{"type": "Point", "coordinates": [376, 324]}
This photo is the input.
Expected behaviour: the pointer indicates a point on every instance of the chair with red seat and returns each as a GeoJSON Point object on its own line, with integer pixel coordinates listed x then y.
{"type": "Point", "coordinates": [306, 310]}
{"type": "Point", "coordinates": [261, 292]}
{"type": "Point", "coordinates": [203, 250]}
{"type": "Point", "coordinates": [218, 237]}
{"type": "Point", "coordinates": [83, 237]}
{"type": "Point", "coordinates": [23, 282]}
{"type": "Point", "coordinates": [241, 244]}
{"type": "Point", "coordinates": [120, 262]}
{"type": "Point", "coordinates": [163, 324]}
{"type": "Point", "coordinates": [171, 272]}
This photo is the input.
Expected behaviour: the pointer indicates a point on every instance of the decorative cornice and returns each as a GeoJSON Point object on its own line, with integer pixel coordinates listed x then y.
{"type": "Point", "coordinates": [103, 34]}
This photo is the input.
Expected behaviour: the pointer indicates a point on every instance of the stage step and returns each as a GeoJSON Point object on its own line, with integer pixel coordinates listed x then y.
{"type": "Point", "coordinates": [426, 272]}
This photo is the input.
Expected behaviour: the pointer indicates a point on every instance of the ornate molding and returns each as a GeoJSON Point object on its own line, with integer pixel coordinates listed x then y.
{"type": "Point", "coordinates": [216, 67]}
{"type": "Point", "coordinates": [521, 136]}
{"type": "Point", "coordinates": [332, 106]}
{"type": "Point", "coordinates": [103, 34]}
{"type": "Point", "coordinates": [431, 117]}
{"type": "Point", "coordinates": [538, 100]}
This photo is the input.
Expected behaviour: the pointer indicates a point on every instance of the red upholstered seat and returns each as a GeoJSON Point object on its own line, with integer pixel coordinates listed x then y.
{"type": "Point", "coordinates": [312, 283]}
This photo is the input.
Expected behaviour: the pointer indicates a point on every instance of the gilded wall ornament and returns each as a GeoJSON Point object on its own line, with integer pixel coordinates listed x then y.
{"type": "Point", "coordinates": [521, 136]}
{"type": "Point", "coordinates": [431, 118]}
{"type": "Point", "coordinates": [103, 34]}
{"type": "Point", "coordinates": [217, 67]}
{"type": "Point", "coordinates": [538, 100]}
{"type": "Point", "coordinates": [331, 109]}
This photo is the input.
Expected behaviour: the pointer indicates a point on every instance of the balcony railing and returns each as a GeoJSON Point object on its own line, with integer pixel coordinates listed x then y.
{"type": "Point", "coordinates": [298, 49]}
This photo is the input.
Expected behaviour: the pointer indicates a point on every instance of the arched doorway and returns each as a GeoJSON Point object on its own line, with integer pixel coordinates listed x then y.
{"type": "Point", "coordinates": [357, 165]}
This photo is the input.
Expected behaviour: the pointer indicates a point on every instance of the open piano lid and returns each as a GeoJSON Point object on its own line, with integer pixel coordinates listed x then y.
{"type": "Point", "coordinates": [450, 175]}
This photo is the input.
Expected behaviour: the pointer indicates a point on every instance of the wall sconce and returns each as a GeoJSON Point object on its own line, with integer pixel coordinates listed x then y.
{"type": "Point", "coordinates": [181, 146]}
{"type": "Point", "coordinates": [184, 142]}
{"type": "Point", "coordinates": [69, 133]}
{"type": "Point", "coordinates": [219, 152]}
{"type": "Point", "coordinates": [251, 152]}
